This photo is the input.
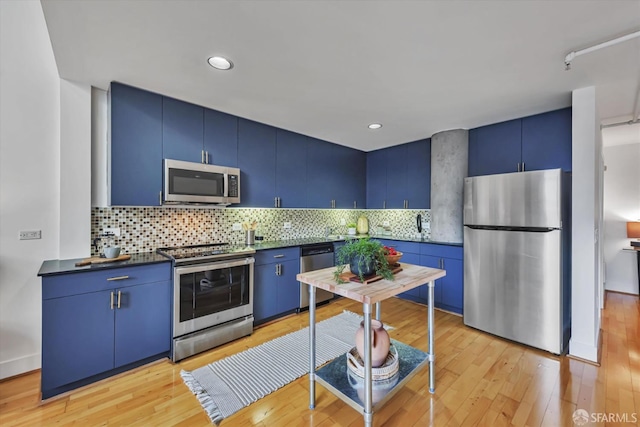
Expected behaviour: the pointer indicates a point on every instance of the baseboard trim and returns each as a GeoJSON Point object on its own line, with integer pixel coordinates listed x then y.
{"type": "Point", "coordinates": [586, 352]}
{"type": "Point", "coordinates": [20, 365]}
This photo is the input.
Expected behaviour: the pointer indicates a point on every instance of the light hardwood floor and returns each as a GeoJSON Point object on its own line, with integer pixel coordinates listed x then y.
{"type": "Point", "coordinates": [481, 380]}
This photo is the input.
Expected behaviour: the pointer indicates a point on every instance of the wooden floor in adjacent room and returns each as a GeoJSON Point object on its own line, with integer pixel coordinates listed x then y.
{"type": "Point", "coordinates": [480, 380]}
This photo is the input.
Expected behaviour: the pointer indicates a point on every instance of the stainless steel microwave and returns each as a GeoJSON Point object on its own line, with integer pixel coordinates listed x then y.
{"type": "Point", "coordinates": [188, 182]}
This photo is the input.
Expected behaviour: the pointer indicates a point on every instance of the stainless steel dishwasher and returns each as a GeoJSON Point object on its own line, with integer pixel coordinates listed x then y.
{"type": "Point", "coordinates": [315, 257]}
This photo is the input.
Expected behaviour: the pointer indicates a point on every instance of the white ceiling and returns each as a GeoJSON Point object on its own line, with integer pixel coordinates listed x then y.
{"type": "Point", "coordinates": [329, 68]}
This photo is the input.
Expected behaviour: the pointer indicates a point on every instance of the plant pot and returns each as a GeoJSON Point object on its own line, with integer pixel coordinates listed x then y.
{"type": "Point", "coordinates": [351, 231]}
{"type": "Point", "coordinates": [366, 267]}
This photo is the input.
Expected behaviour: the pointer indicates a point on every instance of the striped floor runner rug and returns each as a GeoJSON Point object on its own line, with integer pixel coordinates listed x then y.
{"type": "Point", "coordinates": [228, 385]}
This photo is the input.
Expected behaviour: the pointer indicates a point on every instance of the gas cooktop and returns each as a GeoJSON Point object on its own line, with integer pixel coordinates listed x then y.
{"type": "Point", "coordinates": [205, 252]}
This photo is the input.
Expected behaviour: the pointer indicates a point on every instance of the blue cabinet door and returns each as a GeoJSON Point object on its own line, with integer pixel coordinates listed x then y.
{"type": "Point", "coordinates": [321, 180]}
{"type": "Point", "coordinates": [221, 138]}
{"type": "Point", "coordinates": [409, 258]}
{"type": "Point", "coordinates": [291, 169]}
{"type": "Point", "coordinates": [257, 163]}
{"type": "Point", "coordinates": [346, 177]}
{"type": "Point", "coordinates": [433, 262]}
{"type": "Point", "coordinates": [264, 292]}
{"type": "Point", "coordinates": [452, 286]}
{"type": "Point", "coordinates": [419, 174]}
{"type": "Point", "coordinates": [182, 130]}
{"type": "Point", "coordinates": [288, 286]}
{"type": "Point", "coordinates": [495, 148]}
{"type": "Point", "coordinates": [396, 158]}
{"type": "Point", "coordinates": [376, 179]}
{"type": "Point", "coordinates": [136, 146]}
{"type": "Point", "coordinates": [546, 140]}
{"type": "Point", "coordinates": [143, 322]}
{"type": "Point", "coordinates": [77, 338]}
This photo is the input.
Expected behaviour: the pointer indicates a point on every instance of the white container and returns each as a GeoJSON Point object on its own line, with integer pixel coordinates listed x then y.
{"type": "Point", "coordinates": [111, 251]}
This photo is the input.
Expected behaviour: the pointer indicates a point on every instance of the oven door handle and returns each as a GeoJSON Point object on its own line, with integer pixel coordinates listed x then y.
{"type": "Point", "coordinates": [214, 265]}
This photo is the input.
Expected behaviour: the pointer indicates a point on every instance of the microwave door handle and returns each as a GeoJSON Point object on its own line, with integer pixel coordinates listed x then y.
{"type": "Point", "coordinates": [226, 185]}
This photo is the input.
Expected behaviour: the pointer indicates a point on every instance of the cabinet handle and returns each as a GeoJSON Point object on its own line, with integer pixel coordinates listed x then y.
{"type": "Point", "coordinates": [201, 156]}
{"type": "Point", "coordinates": [278, 256]}
{"type": "Point", "coordinates": [111, 279]}
{"type": "Point", "coordinates": [518, 166]}
{"type": "Point", "coordinates": [119, 298]}
{"type": "Point", "coordinates": [443, 263]}
{"type": "Point", "coordinates": [384, 204]}
{"type": "Point", "coordinates": [160, 198]}
{"type": "Point", "coordinates": [206, 157]}
{"type": "Point", "coordinates": [355, 204]}
{"type": "Point", "coordinates": [279, 202]}
{"type": "Point", "coordinates": [522, 166]}
{"type": "Point", "coordinates": [278, 269]}
{"type": "Point", "coordinates": [275, 202]}
{"type": "Point", "coordinates": [111, 303]}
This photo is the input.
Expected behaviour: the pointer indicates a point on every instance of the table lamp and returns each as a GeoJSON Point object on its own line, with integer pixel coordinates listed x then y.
{"type": "Point", "coordinates": [633, 232]}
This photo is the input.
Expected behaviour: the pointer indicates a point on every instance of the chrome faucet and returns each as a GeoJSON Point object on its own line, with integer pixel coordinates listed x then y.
{"type": "Point", "coordinates": [327, 232]}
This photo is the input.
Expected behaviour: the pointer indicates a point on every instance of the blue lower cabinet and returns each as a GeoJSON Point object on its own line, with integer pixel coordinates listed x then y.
{"type": "Point", "coordinates": [77, 338]}
{"type": "Point", "coordinates": [452, 289]}
{"type": "Point", "coordinates": [264, 292]}
{"type": "Point", "coordinates": [275, 288]}
{"type": "Point", "coordinates": [433, 262]}
{"type": "Point", "coordinates": [288, 286]}
{"type": "Point", "coordinates": [143, 323]}
{"type": "Point", "coordinates": [90, 332]}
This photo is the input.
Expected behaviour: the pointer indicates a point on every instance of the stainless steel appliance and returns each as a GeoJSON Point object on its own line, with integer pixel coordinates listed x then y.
{"type": "Point", "coordinates": [516, 270]}
{"type": "Point", "coordinates": [187, 182]}
{"type": "Point", "coordinates": [212, 296]}
{"type": "Point", "coordinates": [315, 257]}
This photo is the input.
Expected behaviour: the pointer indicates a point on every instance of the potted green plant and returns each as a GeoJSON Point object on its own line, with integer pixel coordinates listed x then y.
{"type": "Point", "coordinates": [364, 257]}
{"type": "Point", "coordinates": [351, 228]}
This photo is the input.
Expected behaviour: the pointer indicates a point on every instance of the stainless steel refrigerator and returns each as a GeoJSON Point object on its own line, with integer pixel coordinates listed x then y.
{"type": "Point", "coordinates": [516, 257]}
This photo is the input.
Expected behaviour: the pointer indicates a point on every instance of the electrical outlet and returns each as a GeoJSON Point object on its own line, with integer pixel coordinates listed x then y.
{"type": "Point", "coordinates": [236, 226]}
{"type": "Point", "coordinates": [30, 235]}
{"type": "Point", "coordinates": [385, 223]}
{"type": "Point", "coordinates": [343, 221]}
{"type": "Point", "coordinates": [287, 225]}
{"type": "Point", "coordinates": [114, 231]}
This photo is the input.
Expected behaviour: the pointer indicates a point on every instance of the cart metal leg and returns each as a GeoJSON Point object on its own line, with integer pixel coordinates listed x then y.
{"type": "Point", "coordinates": [368, 396]}
{"type": "Point", "coordinates": [432, 348]}
{"type": "Point", "coordinates": [378, 310]}
{"type": "Point", "coordinates": [312, 347]}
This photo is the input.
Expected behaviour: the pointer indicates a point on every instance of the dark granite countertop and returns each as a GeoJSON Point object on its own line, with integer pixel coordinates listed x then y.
{"type": "Point", "coordinates": [67, 266]}
{"type": "Point", "coordinates": [277, 244]}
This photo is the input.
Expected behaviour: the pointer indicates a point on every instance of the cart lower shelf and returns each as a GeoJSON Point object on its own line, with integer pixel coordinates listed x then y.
{"type": "Point", "coordinates": [337, 378]}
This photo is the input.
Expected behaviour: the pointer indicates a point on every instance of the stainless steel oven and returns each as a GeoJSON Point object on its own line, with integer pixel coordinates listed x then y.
{"type": "Point", "coordinates": [212, 299]}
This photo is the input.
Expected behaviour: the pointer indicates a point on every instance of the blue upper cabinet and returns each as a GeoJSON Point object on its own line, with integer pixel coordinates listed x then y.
{"type": "Point", "coordinates": [182, 130]}
{"type": "Point", "coordinates": [257, 163]}
{"type": "Point", "coordinates": [396, 159]}
{"type": "Point", "coordinates": [221, 138]}
{"type": "Point", "coordinates": [399, 177]}
{"type": "Point", "coordinates": [546, 140]}
{"type": "Point", "coordinates": [495, 148]}
{"type": "Point", "coordinates": [321, 177]}
{"type": "Point", "coordinates": [291, 169]}
{"type": "Point", "coordinates": [419, 174]}
{"type": "Point", "coordinates": [376, 179]}
{"type": "Point", "coordinates": [531, 143]}
{"type": "Point", "coordinates": [347, 177]}
{"type": "Point", "coordinates": [136, 146]}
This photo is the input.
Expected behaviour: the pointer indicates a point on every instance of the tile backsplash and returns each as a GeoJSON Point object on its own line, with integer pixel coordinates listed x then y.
{"type": "Point", "coordinates": [145, 229]}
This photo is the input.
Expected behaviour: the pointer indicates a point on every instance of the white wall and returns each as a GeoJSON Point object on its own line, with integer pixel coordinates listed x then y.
{"type": "Point", "coordinates": [586, 207]}
{"type": "Point", "coordinates": [29, 178]}
{"type": "Point", "coordinates": [75, 170]}
{"type": "Point", "coordinates": [99, 148]}
{"type": "Point", "coordinates": [621, 204]}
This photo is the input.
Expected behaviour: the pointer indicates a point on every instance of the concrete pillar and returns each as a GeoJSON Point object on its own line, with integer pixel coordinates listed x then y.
{"type": "Point", "coordinates": [449, 165]}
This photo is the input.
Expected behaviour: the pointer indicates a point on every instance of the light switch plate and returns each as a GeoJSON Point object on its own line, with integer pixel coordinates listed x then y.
{"type": "Point", "coordinates": [31, 235]}
{"type": "Point", "coordinates": [236, 226]}
{"type": "Point", "coordinates": [287, 225]}
{"type": "Point", "coordinates": [115, 231]}
{"type": "Point", "coordinates": [343, 221]}
{"type": "Point", "coordinates": [385, 223]}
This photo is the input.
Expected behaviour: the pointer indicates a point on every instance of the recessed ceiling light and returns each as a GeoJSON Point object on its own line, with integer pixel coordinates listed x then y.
{"type": "Point", "coordinates": [220, 63]}
{"type": "Point", "coordinates": [375, 126]}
